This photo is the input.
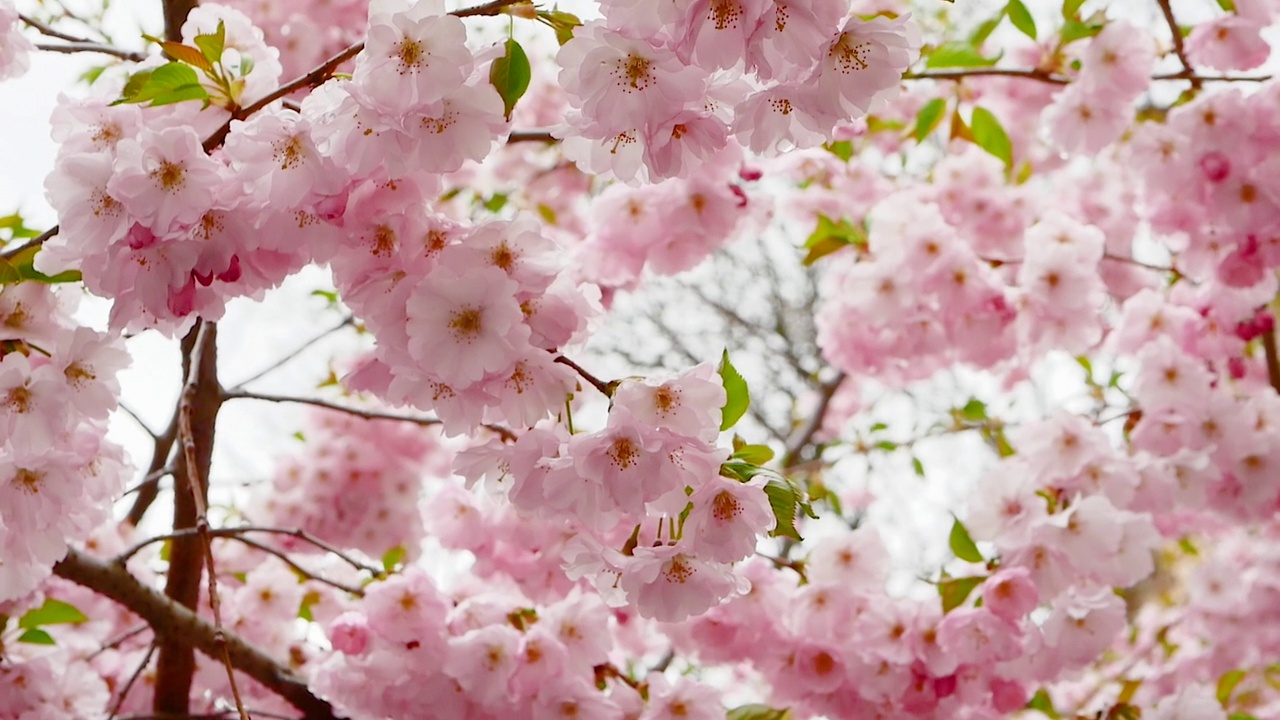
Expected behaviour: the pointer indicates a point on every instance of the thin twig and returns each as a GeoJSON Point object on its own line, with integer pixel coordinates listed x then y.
{"type": "Point", "coordinates": [298, 533]}
{"type": "Point", "coordinates": [284, 557]}
{"type": "Point", "coordinates": [149, 487]}
{"type": "Point", "coordinates": [187, 436]}
{"type": "Point", "coordinates": [92, 47]}
{"type": "Point", "coordinates": [1178, 48]}
{"type": "Point", "coordinates": [124, 691]}
{"type": "Point", "coordinates": [119, 640]}
{"type": "Point", "coordinates": [801, 439]}
{"type": "Point", "coordinates": [606, 388]}
{"type": "Point", "coordinates": [145, 428]}
{"type": "Point", "coordinates": [349, 320]}
{"type": "Point", "coordinates": [358, 412]}
{"type": "Point", "coordinates": [35, 242]}
{"type": "Point", "coordinates": [46, 29]}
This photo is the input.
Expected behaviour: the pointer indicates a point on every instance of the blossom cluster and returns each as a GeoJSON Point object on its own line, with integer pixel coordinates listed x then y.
{"type": "Point", "coordinates": [356, 486]}
{"type": "Point", "coordinates": [654, 94]}
{"type": "Point", "coordinates": [658, 526]}
{"type": "Point", "coordinates": [58, 473]}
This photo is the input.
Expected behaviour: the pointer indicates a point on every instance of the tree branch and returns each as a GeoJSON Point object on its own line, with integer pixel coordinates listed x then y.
{"type": "Point", "coordinates": [199, 403]}
{"type": "Point", "coordinates": [92, 47]}
{"type": "Point", "coordinates": [506, 433]}
{"type": "Point", "coordinates": [606, 388]}
{"type": "Point", "coordinates": [35, 242]}
{"type": "Point", "coordinates": [1273, 358]}
{"type": "Point", "coordinates": [1178, 48]}
{"type": "Point", "coordinates": [175, 622]}
{"type": "Point", "coordinates": [801, 439]}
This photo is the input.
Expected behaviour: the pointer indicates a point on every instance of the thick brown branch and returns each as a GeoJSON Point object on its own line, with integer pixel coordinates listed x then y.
{"type": "Point", "coordinates": [176, 662]}
{"type": "Point", "coordinates": [173, 621]}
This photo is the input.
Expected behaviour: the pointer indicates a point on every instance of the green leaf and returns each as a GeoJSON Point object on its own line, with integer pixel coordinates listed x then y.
{"type": "Point", "coordinates": [91, 75]}
{"type": "Point", "coordinates": [737, 396]}
{"type": "Point", "coordinates": [954, 591]}
{"type": "Point", "coordinates": [392, 558]}
{"type": "Point", "coordinates": [754, 454]}
{"type": "Point", "coordinates": [1241, 716]}
{"type": "Point", "coordinates": [1075, 30]}
{"type": "Point", "coordinates": [36, 637]}
{"type": "Point", "coordinates": [929, 117]}
{"type": "Point", "coordinates": [186, 54]}
{"type": "Point", "coordinates": [495, 202]}
{"type": "Point", "coordinates": [20, 267]}
{"type": "Point", "coordinates": [510, 75]}
{"type": "Point", "coordinates": [985, 28]}
{"type": "Point", "coordinates": [785, 499]}
{"type": "Point", "coordinates": [990, 136]}
{"type": "Point", "coordinates": [962, 544]}
{"type": "Point", "coordinates": [52, 612]}
{"type": "Point", "coordinates": [562, 22]}
{"type": "Point", "coordinates": [831, 236]}
{"type": "Point", "coordinates": [1041, 702]}
{"type": "Point", "coordinates": [974, 411]}
{"type": "Point", "coordinates": [1227, 5]}
{"type": "Point", "coordinates": [842, 149]}
{"type": "Point", "coordinates": [1071, 9]}
{"type": "Point", "coordinates": [167, 84]}
{"type": "Point", "coordinates": [15, 228]}
{"type": "Point", "coordinates": [1021, 18]}
{"type": "Point", "coordinates": [1227, 685]}
{"type": "Point", "coordinates": [958, 54]}
{"type": "Point", "coordinates": [756, 711]}
{"type": "Point", "coordinates": [917, 466]}
{"type": "Point", "coordinates": [212, 45]}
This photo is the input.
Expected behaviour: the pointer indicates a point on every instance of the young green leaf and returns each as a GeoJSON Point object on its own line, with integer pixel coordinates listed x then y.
{"type": "Point", "coordinates": [1227, 685]}
{"type": "Point", "coordinates": [167, 84]}
{"type": "Point", "coordinates": [962, 544]}
{"type": "Point", "coordinates": [186, 54]}
{"type": "Point", "coordinates": [928, 118]}
{"type": "Point", "coordinates": [1041, 703]}
{"type": "Point", "coordinates": [1071, 9]}
{"type": "Point", "coordinates": [990, 136]}
{"type": "Point", "coordinates": [212, 44]}
{"type": "Point", "coordinates": [842, 149]}
{"type": "Point", "coordinates": [510, 75]}
{"type": "Point", "coordinates": [20, 267]}
{"type": "Point", "coordinates": [954, 591]}
{"type": "Point", "coordinates": [958, 54]}
{"type": "Point", "coordinates": [562, 22]}
{"type": "Point", "coordinates": [785, 500]}
{"type": "Point", "coordinates": [737, 396]}
{"type": "Point", "coordinates": [1021, 18]}
{"type": "Point", "coordinates": [392, 558]}
{"type": "Point", "coordinates": [36, 637]}
{"type": "Point", "coordinates": [52, 612]}
{"type": "Point", "coordinates": [754, 454]}
{"type": "Point", "coordinates": [757, 711]}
